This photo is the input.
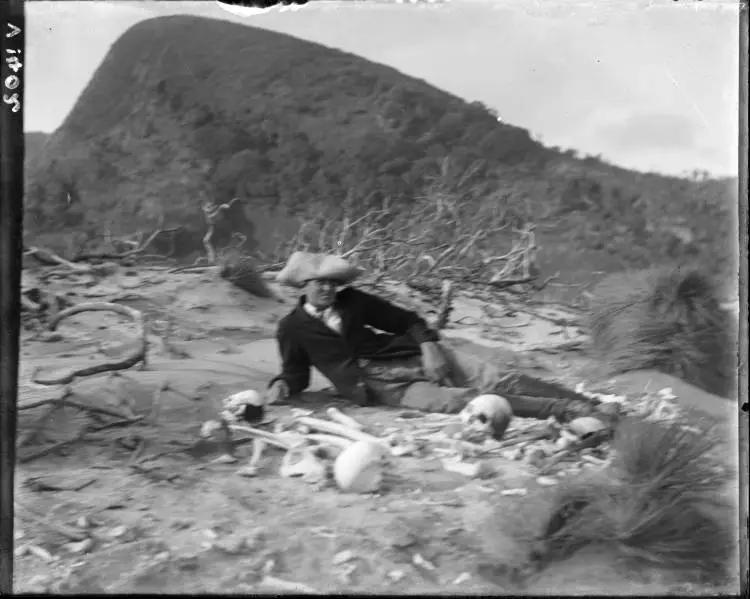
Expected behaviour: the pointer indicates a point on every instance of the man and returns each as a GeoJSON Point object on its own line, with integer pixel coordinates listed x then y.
{"type": "Point", "coordinates": [401, 363]}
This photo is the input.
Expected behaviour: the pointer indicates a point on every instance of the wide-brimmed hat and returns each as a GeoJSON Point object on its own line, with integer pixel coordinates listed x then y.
{"type": "Point", "coordinates": [304, 266]}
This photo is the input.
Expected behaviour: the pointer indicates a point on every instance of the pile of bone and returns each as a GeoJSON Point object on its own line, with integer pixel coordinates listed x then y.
{"type": "Point", "coordinates": [316, 450]}
{"type": "Point", "coordinates": [659, 405]}
{"type": "Point", "coordinates": [484, 431]}
{"type": "Point", "coordinates": [338, 448]}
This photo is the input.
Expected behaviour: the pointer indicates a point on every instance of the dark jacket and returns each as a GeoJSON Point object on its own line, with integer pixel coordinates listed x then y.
{"type": "Point", "coordinates": [305, 341]}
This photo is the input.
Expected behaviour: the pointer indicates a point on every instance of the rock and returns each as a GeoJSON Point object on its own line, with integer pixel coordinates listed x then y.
{"type": "Point", "coordinates": [472, 470]}
{"type": "Point", "coordinates": [80, 547]}
{"type": "Point", "coordinates": [345, 576]}
{"type": "Point", "coordinates": [248, 471]}
{"type": "Point", "coordinates": [514, 492]}
{"type": "Point", "coordinates": [396, 575]}
{"type": "Point", "coordinates": [546, 481]}
{"type": "Point", "coordinates": [38, 584]}
{"type": "Point", "coordinates": [117, 532]}
{"type": "Point", "coordinates": [536, 457]}
{"type": "Point", "coordinates": [51, 337]}
{"type": "Point", "coordinates": [232, 545]}
{"type": "Point", "coordinates": [187, 563]}
{"type": "Point", "coordinates": [421, 562]}
{"type": "Point", "coordinates": [181, 524]}
{"type": "Point", "coordinates": [343, 556]}
{"type": "Point", "coordinates": [401, 539]}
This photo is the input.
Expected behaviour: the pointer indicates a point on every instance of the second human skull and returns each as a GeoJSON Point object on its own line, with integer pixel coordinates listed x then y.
{"type": "Point", "coordinates": [488, 414]}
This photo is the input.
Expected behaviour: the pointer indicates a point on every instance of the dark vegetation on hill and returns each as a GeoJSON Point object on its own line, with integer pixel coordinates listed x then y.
{"type": "Point", "coordinates": [34, 144]}
{"type": "Point", "coordinates": [186, 110]}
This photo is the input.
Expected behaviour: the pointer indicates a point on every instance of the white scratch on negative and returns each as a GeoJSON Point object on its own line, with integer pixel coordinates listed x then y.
{"type": "Point", "coordinates": [689, 99]}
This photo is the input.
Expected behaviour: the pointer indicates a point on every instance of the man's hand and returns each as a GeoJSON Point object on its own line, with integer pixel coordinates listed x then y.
{"type": "Point", "coordinates": [278, 391]}
{"type": "Point", "coordinates": [435, 365]}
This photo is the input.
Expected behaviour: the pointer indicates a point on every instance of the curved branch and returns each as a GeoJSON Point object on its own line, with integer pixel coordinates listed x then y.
{"type": "Point", "coordinates": [128, 361]}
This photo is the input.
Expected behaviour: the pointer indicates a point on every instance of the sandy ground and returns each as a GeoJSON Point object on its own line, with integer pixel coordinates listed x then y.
{"type": "Point", "coordinates": [165, 518]}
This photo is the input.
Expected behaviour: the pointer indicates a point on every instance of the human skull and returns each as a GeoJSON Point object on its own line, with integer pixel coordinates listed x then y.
{"type": "Point", "coordinates": [359, 468]}
{"type": "Point", "coordinates": [487, 414]}
{"type": "Point", "coordinates": [245, 405]}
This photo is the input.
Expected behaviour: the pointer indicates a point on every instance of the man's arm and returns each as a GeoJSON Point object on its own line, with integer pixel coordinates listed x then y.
{"type": "Point", "coordinates": [295, 363]}
{"type": "Point", "coordinates": [385, 316]}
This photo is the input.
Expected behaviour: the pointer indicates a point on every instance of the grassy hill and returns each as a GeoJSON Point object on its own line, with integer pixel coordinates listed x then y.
{"type": "Point", "coordinates": [34, 142]}
{"type": "Point", "coordinates": [185, 110]}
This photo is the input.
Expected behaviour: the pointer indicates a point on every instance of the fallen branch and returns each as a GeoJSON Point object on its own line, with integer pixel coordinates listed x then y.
{"type": "Point", "coordinates": [53, 448]}
{"type": "Point", "coordinates": [193, 268]}
{"type": "Point", "coordinates": [546, 282]}
{"type": "Point", "coordinates": [503, 284]}
{"type": "Point", "coordinates": [29, 306]}
{"type": "Point", "coordinates": [129, 253]}
{"type": "Point", "coordinates": [446, 305]}
{"type": "Point", "coordinates": [25, 390]}
{"type": "Point", "coordinates": [138, 355]}
{"type": "Point", "coordinates": [562, 322]}
{"type": "Point", "coordinates": [51, 259]}
{"type": "Point", "coordinates": [30, 435]}
{"type": "Point", "coordinates": [31, 515]}
{"type": "Point", "coordinates": [89, 408]}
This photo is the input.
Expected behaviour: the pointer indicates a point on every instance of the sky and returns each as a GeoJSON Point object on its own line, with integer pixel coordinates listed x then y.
{"type": "Point", "coordinates": [647, 84]}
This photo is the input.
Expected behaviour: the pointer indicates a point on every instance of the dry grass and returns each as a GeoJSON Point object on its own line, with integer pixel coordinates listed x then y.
{"type": "Point", "coordinates": [666, 319]}
{"type": "Point", "coordinates": [661, 502]}
{"type": "Point", "coordinates": [241, 270]}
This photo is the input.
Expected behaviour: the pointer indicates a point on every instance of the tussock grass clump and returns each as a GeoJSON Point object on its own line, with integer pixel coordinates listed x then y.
{"type": "Point", "coordinates": [242, 272]}
{"type": "Point", "coordinates": [667, 319]}
{"type": "Point", "coordinates": [662, 501]}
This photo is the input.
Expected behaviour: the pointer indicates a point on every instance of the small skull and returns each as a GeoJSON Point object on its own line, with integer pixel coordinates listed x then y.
{"type": "Point", "coordinates": [243, 406]}
{"type": "Point", "coordinates": [487, 414]}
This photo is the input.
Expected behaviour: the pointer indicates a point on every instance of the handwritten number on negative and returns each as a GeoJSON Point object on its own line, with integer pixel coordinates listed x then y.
{"type": "Point", "coordinates": [13, 30]}
{"type": "Point", "coordinates": [14, 64]}
{"type": "Point", "coordinates": [12, 99]}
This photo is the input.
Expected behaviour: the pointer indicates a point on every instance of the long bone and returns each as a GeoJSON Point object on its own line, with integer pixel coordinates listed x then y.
{"type": "Point", "coordinates": [335, 428]}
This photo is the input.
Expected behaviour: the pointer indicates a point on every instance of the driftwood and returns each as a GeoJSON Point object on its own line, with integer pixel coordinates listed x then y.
{"type": "Point", "coordinates": [51, 259]}
{"type": "Point", "coordinates": [505, 283]}
{"type": "Point", "coordinates": [31, 515]}
{"type": "Point", "coordinates": [138, 355]}
{"type": "Point", "coordinates": [446, 305]}
{"type": "Point", "coordinates": [55, 401]}
{"type": "Point", "coordinates": [140, 247]}
{"type": "Point", "coordinates": [211, 213]}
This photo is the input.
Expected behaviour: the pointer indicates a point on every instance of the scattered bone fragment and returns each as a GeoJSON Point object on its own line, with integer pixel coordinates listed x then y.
{"type": "Point", "coordinates": [338, 416]}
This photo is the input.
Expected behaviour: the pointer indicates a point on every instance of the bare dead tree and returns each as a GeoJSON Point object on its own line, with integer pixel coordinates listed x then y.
{"type": "Point", "coordinates": [211, 214]}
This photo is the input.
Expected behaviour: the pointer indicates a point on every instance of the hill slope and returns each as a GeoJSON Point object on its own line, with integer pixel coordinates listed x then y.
{"type": "Point", "coordinates": [185, 110]}
{"type": "Point", "coordinates": [34, 142]}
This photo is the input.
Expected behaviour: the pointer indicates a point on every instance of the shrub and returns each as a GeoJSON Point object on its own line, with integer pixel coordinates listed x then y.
{"type": "Point", "coordinates": [661, 501]}
{"type": "Point", "coordinates": [241, 271]}
{"type": "Point", "coordinates": [667, 319]}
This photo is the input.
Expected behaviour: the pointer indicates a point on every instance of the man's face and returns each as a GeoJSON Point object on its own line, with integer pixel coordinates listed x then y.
{"type": "Point", "coordinates": [321, 292]}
